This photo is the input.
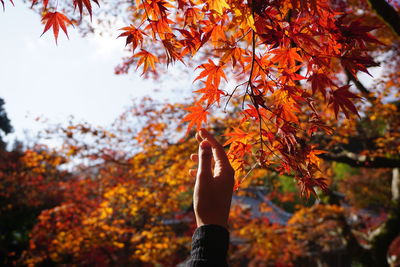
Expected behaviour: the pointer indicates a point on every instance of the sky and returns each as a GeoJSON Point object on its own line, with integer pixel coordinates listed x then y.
{"type": "Point", "coordinates": [40, 79]}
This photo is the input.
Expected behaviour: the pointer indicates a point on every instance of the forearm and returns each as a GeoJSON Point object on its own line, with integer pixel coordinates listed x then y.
{"type": "Point", "coordinates": [209, 246]}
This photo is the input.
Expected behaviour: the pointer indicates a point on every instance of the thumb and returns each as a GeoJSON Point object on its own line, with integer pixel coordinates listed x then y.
{"type": "Point", "coordinates": [205, 160]}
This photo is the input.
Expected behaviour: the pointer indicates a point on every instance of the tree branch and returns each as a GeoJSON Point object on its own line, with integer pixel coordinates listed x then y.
{"type": "Point", "coordinates": [387, 13]}
{"type": "Point", "coordinates": [356, 160]}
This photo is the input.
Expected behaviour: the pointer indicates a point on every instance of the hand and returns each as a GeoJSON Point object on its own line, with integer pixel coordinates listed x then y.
{"type": "Point", "coordinates": [213, 188]}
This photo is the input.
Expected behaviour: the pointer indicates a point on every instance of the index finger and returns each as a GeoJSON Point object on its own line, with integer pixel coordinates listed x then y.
{"type": "Point", "coordinates": [218, 149]}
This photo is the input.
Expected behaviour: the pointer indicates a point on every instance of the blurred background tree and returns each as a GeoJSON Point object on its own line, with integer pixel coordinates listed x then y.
{"type": "Point", "coordinates": [5, 124]}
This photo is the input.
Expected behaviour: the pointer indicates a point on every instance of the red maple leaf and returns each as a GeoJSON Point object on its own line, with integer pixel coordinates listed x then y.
{"type": "Point", "coordinates": [307, 184]}
{"type": "Point", "coordinates": [359, 33]}
{"type": "Point", "coordinates": [56, 20]}
{"type": "Point", "coordinates": [354, 63]}
{"type": "Point", "coordinates": [196, 117]}
{"type": "Point", "coordinates": [2, 3]}
{"type": "Point", "coordinates": [86, 3]}
{"type": "Point", "coordinates": [341, 99]}
{"type": "Point", "coordinates": [319, 82]}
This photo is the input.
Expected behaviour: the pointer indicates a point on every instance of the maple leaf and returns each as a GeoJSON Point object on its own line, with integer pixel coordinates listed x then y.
{"type": "Point", "coordinates": [211, 94]}
{"type": "Point", "coordinates": [160, 27]}
{"type": "Point", "coordinates": [287, 134]}
{"type": "Point", "coordinates": [307, 184]}
{"type": "Point", "coordinates": [286, 106]}
{"type": "Point", "coordinates": [56, 20]}
{"type": "Point", "coordinates": [217, 5]}
{"type": "Point", "coordinates": [319, 82]}
{"type": "Point", "coordinates": [193, 15]}
{"type": "Point", "coordinates": [212, 72]}
{"type": "Point", "coordinates": [305, 40]}
{"type": "Point", "coordinates": [81, 3]}
{"type": "Point", "coordinates": [313, 156]}
{"type": "Point", "coordinates": [238, 135]}
{"type": "Point", "coordinates": [2, 3]}
{"type": "Point", "coordinates": [233, 53]}
{"type": "Point", "coordinates": [286, 57]}
{"type": "Point", "coordinates": [157, 8]}
{"type": "Point", "coordinates": [171, 49]}
{"type": "Point", "coordinates": [236, 155]}
{"type": "Point", "coordinates": [196, 117]}
{"type": "Point", "coordinates": [257, 112]}
{"type": "Point", "coordinates": [269, 36]}
{"type": "Point", "coordinates": [354, 63]}
{"type": "Point", "coordinates": [316, 124]}
{"type": "Point", "coordinates": [147, 59]}
{"type": "Point", "coordinates": [133, 35]}
{"type": "Point", "coordinates": [34, 2]}
{"type": "Point", "coordinates": [341, 99]}
{"type": "Point", "coordinates": [191, 43]}
{"type": "Point", "coordinates": [359, 33]}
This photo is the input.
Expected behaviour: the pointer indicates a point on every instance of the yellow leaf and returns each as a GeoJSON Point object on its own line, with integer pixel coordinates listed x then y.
{"type": "Point", "coordinates": [217, 5]}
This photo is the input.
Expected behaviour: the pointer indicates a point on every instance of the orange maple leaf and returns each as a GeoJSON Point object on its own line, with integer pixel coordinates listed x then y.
{"type": "Point", "coordinates": [211, 94]}
{"type": "Point", "coordinates": [56, 20]}
{"type": "Point", "coordinates": [313, 156]}
{"type": "Point", "coordinates": [238, 135]}
{"type": "Point", "coordinates": [212, 72]}
{"type": "Point", "coordinates": [193, 15]}
{"type": "Point", "coordinates": [133, 35]}
{"type": "Point", "coordinates": [196, 117]}
{"type": "Point", "coordinates": [217, 5]}
{"type": "Point", "coordinates": [171, 50]}
{"type": "Point", "coordinates": [286, 57]}
{"type": "Point", "coordinates": [160, 27]}
{"type": "Point", "coordinates": [147, 59]}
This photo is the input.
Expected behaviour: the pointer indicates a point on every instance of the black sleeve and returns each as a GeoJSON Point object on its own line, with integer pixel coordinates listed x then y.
{"type": "Point", "coordinates": [209, 247]}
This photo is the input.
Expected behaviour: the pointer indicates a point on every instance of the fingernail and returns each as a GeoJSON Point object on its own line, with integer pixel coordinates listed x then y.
{"type": "Point", "coordinates": [202, 132]}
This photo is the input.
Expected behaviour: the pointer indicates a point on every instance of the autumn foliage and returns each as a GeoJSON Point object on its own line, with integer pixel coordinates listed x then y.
{"type": "Point", "coordinates": [282, 59]}
{"type": "Point", "coordinates": [278, 81]}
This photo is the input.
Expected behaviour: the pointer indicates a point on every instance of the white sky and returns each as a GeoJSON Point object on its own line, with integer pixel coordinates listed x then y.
{"type": "Point", "coordinates": [38, 78]}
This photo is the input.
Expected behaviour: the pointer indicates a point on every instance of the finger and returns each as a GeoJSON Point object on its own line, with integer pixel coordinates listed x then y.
{"type": "Point", "coordinates": [205, 161]}
{"type": "Point", "coordinates": [198, 138]}
{"type": "Point", "coordinates": [194, 157]}
{"type": "Point", "coordinates": [218, 150]}
{"type": "Point", "coordinates": [193, 173]}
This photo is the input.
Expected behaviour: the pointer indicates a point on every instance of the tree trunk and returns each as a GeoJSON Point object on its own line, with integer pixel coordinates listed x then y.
{"type": "Point", "coordinates": [384, 235]}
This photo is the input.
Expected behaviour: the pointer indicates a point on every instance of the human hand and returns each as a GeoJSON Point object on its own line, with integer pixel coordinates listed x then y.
{"type": "Point", "coordinates": [213, 188]}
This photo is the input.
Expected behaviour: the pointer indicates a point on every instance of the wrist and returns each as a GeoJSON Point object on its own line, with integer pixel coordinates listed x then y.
{"type": "Point", "coordinates": [201, 223]}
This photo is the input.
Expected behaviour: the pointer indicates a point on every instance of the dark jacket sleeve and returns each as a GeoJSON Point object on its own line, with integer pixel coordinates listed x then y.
{"type": "Point", "coordinates": [209, 247]}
